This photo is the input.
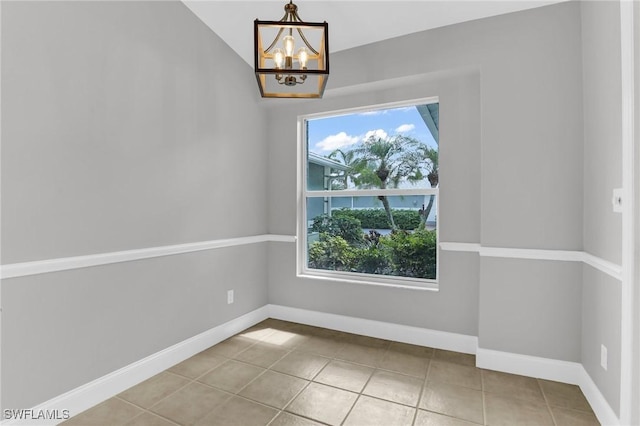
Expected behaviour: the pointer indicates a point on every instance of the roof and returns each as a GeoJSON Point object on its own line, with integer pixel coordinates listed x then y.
{"type": "Point", "coordinates": [327, 162]}
{"type": "Point", "coordinates": [431, 115]}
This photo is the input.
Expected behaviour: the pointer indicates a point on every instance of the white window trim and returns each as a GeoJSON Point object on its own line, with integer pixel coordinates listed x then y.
{"type": "Point", "coordinates": [301, 216]}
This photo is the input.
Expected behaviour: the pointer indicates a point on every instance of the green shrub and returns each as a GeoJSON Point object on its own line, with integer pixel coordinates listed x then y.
{"type": "Point", "coordinates": [413, 254]}
{"type": "Point", "coordinates": [377, 218]}
{"type": "Point", "coordinates": [347, 227]}
{"type": "Point", "coordinates": [406, 219]}
{"type": "Point", "coordinates": [344, 247]}
{"type": "Point", "coordinates": [372, 260]}
{"type": "Point", "coordinates": [332, 253]}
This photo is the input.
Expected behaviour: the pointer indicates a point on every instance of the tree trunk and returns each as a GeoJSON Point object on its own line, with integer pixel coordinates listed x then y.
{"type": "Point", "coordinates": [387, 209]}
{"type": "Point", "coordinates": [433, 180]}
{"type": "Point", "coordinates": [427, 210]}
{"type": "Point", "coordinates": [383, 174]}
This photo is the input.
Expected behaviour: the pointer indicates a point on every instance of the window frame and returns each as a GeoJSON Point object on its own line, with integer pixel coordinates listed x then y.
{"type": "Point", "coordinates": [303, 194]}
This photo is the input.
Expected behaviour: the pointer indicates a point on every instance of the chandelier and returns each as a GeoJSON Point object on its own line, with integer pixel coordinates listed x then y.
{"type": "Point", "coordinates": [281, 70]}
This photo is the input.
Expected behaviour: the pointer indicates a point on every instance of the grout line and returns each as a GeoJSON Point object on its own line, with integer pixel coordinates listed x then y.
{"type": "Point", "coordinates": [484, 401]}
{"type": "Point", "coordinates": [546, 402]}
{"type": "Point", "coordinates": [161, 399]}
{"type": "Point", "coordinates": [162, 417]}
{"type": "Point", "coordinates": [340, 342]}
{"type": "Point", "coordinates": [424, 387]}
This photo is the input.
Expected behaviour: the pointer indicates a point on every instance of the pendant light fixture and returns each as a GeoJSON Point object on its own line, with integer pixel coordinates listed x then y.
{"type": "Point", "coordinates": [291, 56]}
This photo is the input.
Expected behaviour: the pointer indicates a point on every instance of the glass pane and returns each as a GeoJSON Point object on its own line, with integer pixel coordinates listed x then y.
{"type": "Point", "coordinates": [393, 236]}
{"type": "Point", "coordinates": [391, 148]}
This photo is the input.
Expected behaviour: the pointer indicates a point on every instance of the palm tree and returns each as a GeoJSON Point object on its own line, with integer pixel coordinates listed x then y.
{"type": "Point", "coordinates": [348, 159]}
{"type": "Point", "coordinates": [386, 162]}
{"type": "Point", "coordinates": [431, 159]}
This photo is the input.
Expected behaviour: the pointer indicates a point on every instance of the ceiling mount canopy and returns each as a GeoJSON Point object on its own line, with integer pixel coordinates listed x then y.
{"type": "Point", "coordinates": [291, 56]}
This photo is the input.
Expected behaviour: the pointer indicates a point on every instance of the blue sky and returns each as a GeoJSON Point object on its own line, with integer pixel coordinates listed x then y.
{"type": "Point", "coordinates": [345, 131]}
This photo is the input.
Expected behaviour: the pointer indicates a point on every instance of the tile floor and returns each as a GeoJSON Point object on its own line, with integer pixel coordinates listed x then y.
{"type": "Point", "coordinates": [279, 373]}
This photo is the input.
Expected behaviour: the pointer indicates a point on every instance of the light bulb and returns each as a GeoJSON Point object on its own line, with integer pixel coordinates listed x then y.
{"type": "Point", "coordinates": [303, 57]}
{"type": "Point", "coordinates": [278, 57]}
{"type": "Point", "coordinates": [289, 44]}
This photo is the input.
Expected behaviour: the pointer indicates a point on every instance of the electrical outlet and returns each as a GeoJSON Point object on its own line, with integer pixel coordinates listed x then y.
{"type": "Point", "coordinates": [229, 297]}
{"type": "Point", "coordinates": [603, 357]}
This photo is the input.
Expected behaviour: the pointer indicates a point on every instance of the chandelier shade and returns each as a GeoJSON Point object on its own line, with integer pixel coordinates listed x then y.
{"type": "Point", "coordinates": [291, 56]}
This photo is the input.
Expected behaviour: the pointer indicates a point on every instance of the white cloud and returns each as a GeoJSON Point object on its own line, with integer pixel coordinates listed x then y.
{"type": "Point", "coordinates": [375, 112]}
{"type": "Point", "coordinates": [378, 133]}
{"type": "Point", "coordinates": [337, 141]}
{"type": "Point", "coordinates": [404, 128]}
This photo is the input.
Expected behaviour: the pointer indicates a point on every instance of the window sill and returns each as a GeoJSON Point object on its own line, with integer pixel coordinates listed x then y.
{"type": "Point", "coordinates": [363, 279]}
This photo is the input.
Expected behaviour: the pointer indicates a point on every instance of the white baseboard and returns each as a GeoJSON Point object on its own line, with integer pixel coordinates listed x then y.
{"type": "Point", "coordinates": [601, 407]}
{"type": "Point", "coordinates": [382, 330]}
{"type": "Point", "coordinates": [524, 365]}
{"type": "Point", "coordinates": [550, 369]}
{"type": "Point", "coordinates": [532, 366]}
{"type": "Point", "coordinates": [93, 393]}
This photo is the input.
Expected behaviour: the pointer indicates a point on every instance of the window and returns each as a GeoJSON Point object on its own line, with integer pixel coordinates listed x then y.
{"type": "Point", "coordinates": [369, 195]}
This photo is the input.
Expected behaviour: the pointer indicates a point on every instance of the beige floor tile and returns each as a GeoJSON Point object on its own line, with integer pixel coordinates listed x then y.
{"type": "Point", "coordinates": [190, 403]}
{"type": "Point", "coordinates": [288, 419]}
{"type": "Point", "coordinates": [323, 332]}
{"type": "Point", "coordinates": [454, 401]}
{"type": "Point", "coordinates": [455, 357]}
{"type": "Point", "coordinates": [405, 348]}
{"type": "Point", "coordinates": [286, 339]}
{"type": "Point", "coordinates": [154, 389]}
{"type": "Point", "coordinates": [231, 376]}
{"type": "Point", "coordinates": [345, 375]}
{"type": "Point", "coordinates": [198, 364]}
{"type": "Point", "coordinates": [427, 418]}
{"type": "Point", "coordinates": [375, 412]}
{"type": "Point", "coordinates": [508, 411]}
{"type": "Point", "coordinates": [372, 342]}
{"type": "Point", "coordinates": [262, 354]}
{"type": "Point", "coordinates": [321, 345]}
{"type": "Point", "coordinates": [279, 324]}
{"type": "Point", "coordinates": [239, 412]}
{"type": "Point", "coordinates": [113, 411]}
{"type": "Point", "coordinates": [394, 387]}
{"type": "Point", "coordinates": [323, 403]}
{"type": "Point", "coordinates": [455, 374]}
{"type": "Point", "coordinates": [258, 331]}
{"type": "Point", "coordinates": [564, 395]}
{"type": "Point", "coordinates": [150, 419]}
{"type": "Point", "coordinates": [361, 354]}
{"type": "Point", "coordinates": [568, 417]}
{"type": "Point", "coordinates": [270, 364]}
{"type": "Point", "coordinates": [274, 389]}
{"type": "Point", "coordinates": [301, 364]}
{"type": "Point", "coordinates": [511, 385]}
{"type": "Point", "coordinates": [405, 363]}
{"type": "Point", "coordinates": [232, 346]}
{"type": "Point", "coordinates": [303, 329]}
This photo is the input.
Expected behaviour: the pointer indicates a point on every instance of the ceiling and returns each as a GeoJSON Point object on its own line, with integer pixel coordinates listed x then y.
{"type": "Point", "coordinates": [351, 23]}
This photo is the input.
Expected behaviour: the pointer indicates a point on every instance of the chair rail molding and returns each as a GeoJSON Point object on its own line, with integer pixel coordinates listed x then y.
{"type": "Point", "coordinates": [609, 268]}
{"type": "Point", "coordinates": [22, 269]}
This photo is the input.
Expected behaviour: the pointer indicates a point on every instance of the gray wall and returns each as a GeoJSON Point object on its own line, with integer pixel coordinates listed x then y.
{"type": "Point", "coordinates": [601, 326]}
{"type": "Point", "coordinates": [602, 173]}
{"type": "Point", "coordinates": [540, 300]}
{"type": "Point", "coordinates": [125, 122]}
{"type": "Point", "coordinates": [455, 307]}
{"type": "Point", "coordinates": [511, 165]}
{"type": "Point", "coordinates": [636, 350]}
{"type": "Point", "coordinates": [125, 125]}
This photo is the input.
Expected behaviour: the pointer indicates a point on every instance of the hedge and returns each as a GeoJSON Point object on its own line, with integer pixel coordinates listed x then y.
{"type": "Point", "coordinates": [342, 246]}
{"type": "Point", "coordinates": [377, 218]}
